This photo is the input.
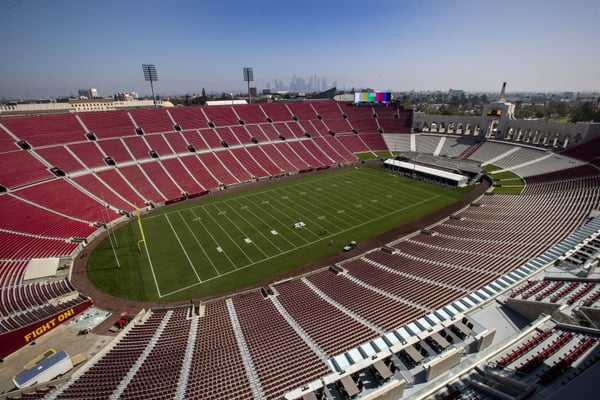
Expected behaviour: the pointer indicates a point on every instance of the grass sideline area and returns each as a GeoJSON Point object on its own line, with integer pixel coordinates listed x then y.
{"type": "Point", "coordinates": [374, 156]}
{"type": "Point", "coordinates": [505, 182]}
{"type": "Point", "coordinates": [226, 242]}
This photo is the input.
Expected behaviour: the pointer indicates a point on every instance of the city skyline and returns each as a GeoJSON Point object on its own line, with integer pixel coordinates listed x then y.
{"type": "Point", "coordinates": [52, 49]}
{"type": "Point", "coordinates": [299, 84]}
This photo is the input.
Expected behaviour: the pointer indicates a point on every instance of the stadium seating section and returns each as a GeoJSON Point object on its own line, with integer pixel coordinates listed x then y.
{"type": "Point", "coordinates": [251, 345]}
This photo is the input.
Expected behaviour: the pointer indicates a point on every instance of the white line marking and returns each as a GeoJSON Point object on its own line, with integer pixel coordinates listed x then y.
{"type": "Point", "coordinates": [239, 230]}
{"type": "Point", "coordinates": [198, 242]}
{"type": "Point", "coordinates": [214, 240]}
{"type": "Point", "coordinates": [301, 246]}
{"type": "Point", "coordinates": [151, 267]}
{"type": "Point", "coordinates": [183, 248]}
{"type": "Point", "coordinates": [292, 210]}
{"type": "Point", "coordinates": [279, 220]}
{"type": "Point", "coordinates": [257, 230]}
{"type": "Point", "coordinates": [227, 233]}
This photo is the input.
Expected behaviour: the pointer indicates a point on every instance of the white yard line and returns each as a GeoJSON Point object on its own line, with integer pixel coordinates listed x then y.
{"type": "Point", "coordinates": [351, 198]}
{"type": "Point", "coordinates": [295, 211]}
{"type": "Point", "coordinates": [257, 230]}
{"type": "Point", "coordinates": [396, 189]}
{"type": "Point", "coordinates": [284, 215]}
{"type": "Point", "coordinates": [254, 194]}
{"type": "Point", "coordinates": [227, 233]}
{"type": "Point", "coordinates": [244, 234]}
{"type": "Point", "coordinates": [302, 246]}
{"type": "Point", "coordinates": [213, 238]}
{"type": "Point", "coordinates": [199, 244]}
{"type": "Point", "coordinates": [183, 248]}
{"type": "Point", "coordinates": [412, 186]}
{"type": "Point", "coordinates": [282, 236]}
{"type": "Point", "coordinates": [324, 204]}
{"type": "Point", "coordinates": [152, 268]}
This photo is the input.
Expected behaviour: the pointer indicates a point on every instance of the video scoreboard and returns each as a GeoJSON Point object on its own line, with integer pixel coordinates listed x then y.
{"type": "Point", "coordinates": [372, 97]}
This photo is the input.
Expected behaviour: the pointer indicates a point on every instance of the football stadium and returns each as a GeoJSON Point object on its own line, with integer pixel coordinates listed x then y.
{"type": "Point", "coordinates": [315, 249]}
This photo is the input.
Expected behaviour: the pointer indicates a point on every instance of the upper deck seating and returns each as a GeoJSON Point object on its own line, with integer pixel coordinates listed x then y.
{"type": "Point", "coordinates": [59, 195]}
{"type": "Point", "coordinates": [45, 130]}
{"type": "Point", "coordinates": [160, 143]}
{"type": "Point", "coordinates": [251, 113]}
{"type": "Point", "coordinates": [61, 157]}
{"type": "Point", "coordinates": [89, 153]}
{"type": "Point", "coordinates": [221, 115]}
{"type": "Point", "coordinates": [189, 118]}
{"type": "Point", "coordinates": [20, 167]}
{"type": "Point", "coordinates": [116, 149]}
{"type": "Point", "coordinates": [152, 120]}
{"type": "Point", "coordinates": [108, 124]}
{"type": "Point", "coordinates": [302, 111]}
{"type": "Point", "coordinates": [277, 112]}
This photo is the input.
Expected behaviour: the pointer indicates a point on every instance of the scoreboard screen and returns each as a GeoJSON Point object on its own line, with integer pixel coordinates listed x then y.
{"type": "Point", "coordinates": [372, 97]}
{"type": "Point", "coordinates": [494, 112]}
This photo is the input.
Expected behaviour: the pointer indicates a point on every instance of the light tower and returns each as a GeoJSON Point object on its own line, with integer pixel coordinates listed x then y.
{"type": "Point", "coordinates": [150, 75]}
{"type": "Point", "coordinates": [502, 92]}
{"type": "Point", "coordinates": [248, 77]}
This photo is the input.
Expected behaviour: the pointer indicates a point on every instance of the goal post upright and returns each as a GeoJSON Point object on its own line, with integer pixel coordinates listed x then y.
{"type": "Point", "coordinates": [143, 239]}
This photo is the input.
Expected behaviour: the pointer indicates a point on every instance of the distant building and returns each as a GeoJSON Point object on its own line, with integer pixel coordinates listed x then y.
{"type": "Point", "coordinates": [455, 93]}
{"type": "Point", "coordinates": [91, 93]}
{"type": "Point", "coordinates": [129, 96]}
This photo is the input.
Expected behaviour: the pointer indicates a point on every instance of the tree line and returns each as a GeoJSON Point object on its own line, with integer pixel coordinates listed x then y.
{"type": "Point", "coordinates": [554, 110]}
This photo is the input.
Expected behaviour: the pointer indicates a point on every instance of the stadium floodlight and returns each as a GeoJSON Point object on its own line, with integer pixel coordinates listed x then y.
{"type": "Point", "coordinates": [248, 77]}
{"type": "Point", "coordinates": [150, 75]}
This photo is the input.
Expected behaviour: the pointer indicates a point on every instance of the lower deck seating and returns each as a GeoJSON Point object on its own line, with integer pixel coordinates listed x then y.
{"type": "Point", "coordinates": [216, 369]}
{"type": "Point", "coordinates": [381, 310]}
{"type": "Point", "coordinates": [184, 179]}
{"type": "Point", "coordinates": [138, 180]}
{"type": "Point", "coordinates": [61, 196]}
{"type": "Point", "coordinates": [332, 329]}
{"type": "Point", "coordinates": [161, 179]}
{"type": "Point", "coordinates": [104, 377]}
{"type": "Point", "coordinates": [20, 167]}
{"type": "Point", "coordinates": [35, 313]}
{"type": "Point", "coordinates": [275, 347]}
{"type": "Point", "coordinates": [17, 246]}
{"type": "Point", "coordinates": [426, 294]}
{"type": "Point", "coordinates": [22, 216]}
{"type": "Point", "coordinates": [114, 179]}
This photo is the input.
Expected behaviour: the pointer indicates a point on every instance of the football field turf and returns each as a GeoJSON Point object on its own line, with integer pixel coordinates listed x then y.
{"type": "Point", "coordinates": [222, 243]}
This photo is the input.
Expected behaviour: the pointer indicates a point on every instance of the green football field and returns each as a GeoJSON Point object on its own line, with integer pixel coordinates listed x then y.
{"type": "Point", "coordinates": [222, 243]}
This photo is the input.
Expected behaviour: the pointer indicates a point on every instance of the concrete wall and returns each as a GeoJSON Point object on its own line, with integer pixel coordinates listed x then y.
{"type": "Point", "coordinates": [531, 309]}
{"type": "Point", "coordinates": [442, 364]}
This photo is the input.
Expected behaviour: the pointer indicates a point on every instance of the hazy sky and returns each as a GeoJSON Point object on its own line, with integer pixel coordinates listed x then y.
{"type": "Point", "coordinates": [54, 47]}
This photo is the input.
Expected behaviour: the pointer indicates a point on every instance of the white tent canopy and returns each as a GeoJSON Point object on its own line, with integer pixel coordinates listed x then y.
{"type": "Point", "coordinates": [460, 180]}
